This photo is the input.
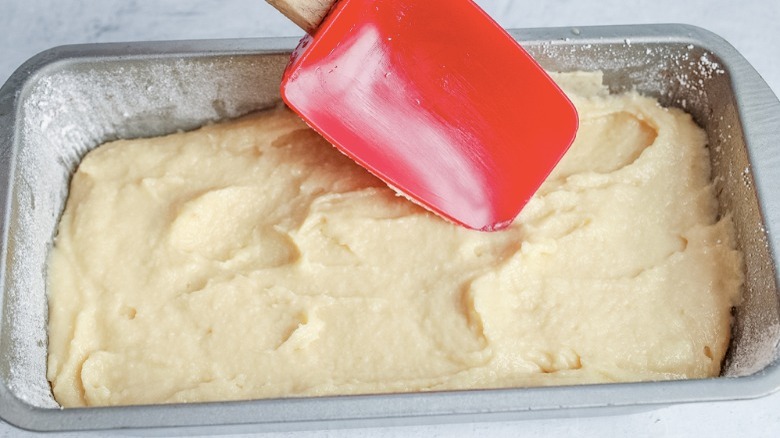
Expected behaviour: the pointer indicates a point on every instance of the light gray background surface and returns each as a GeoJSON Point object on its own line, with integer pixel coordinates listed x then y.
{"type": "Point", "coordinates": [752, 26]}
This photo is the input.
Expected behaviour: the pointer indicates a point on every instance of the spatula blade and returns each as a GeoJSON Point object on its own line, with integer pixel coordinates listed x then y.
{"type": "Point", "coordinates": [437, 100]}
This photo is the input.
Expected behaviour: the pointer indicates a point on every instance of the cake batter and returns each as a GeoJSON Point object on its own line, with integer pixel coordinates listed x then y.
{"type": "Point", "coordinates": [250, 259]}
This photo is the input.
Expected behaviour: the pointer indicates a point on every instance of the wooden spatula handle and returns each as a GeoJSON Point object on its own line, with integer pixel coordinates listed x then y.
{"type": "Point", "coordinates": [307, 14]}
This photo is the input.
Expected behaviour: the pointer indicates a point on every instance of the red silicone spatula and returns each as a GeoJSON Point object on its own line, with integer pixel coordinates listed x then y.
{"type": "Point", "coordinates": [433, 97]}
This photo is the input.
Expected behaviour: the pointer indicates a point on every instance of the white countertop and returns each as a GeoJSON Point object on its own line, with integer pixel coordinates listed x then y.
{"type": "Point", "coordinates": [752, 26]}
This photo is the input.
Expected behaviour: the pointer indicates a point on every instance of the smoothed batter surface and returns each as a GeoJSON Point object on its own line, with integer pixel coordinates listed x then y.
{"type": "Point", "coordinates": [250, 259]}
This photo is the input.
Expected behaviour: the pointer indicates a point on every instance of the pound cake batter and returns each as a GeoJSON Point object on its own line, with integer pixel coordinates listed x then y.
{"type": "Point", "coordinates": [250, 259]}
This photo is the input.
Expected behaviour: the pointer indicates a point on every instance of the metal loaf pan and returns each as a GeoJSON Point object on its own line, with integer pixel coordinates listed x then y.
{"type": "Point", "coordinates": [68, 100]}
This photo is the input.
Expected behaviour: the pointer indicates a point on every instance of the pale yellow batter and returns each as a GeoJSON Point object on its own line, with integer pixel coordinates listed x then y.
{"type": "Point", "coordinates": [250, 259]}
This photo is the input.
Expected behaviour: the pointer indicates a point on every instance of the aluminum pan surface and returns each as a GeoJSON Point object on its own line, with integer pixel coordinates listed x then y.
{"type": "Point", "coordinates": [617, 50]}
